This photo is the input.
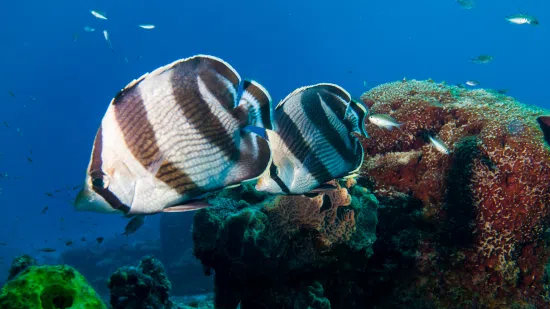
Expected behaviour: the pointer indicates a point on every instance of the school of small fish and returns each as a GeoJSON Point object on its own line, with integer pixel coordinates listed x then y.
{"type": "Point", "coordinates": [102, 16]}
{"type": "Point", "coordinates": [518, 19]}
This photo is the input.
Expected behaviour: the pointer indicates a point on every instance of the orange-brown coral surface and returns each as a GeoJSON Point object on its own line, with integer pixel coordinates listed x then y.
{"type": "Point", "coordinates": [486, 204]}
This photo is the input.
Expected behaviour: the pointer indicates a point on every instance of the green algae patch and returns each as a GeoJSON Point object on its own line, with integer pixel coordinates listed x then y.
{"type": "Point", "coordinates": [49, 287]}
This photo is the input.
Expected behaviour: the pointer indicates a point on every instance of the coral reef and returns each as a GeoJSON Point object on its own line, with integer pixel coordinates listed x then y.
{"type": "Point", "coordinates": [49, 287]}
{"type": "Point", "coordinates": [19, 264]}
{"type": "Point", "coordinates": [279, 252]}
{"type": "Point", "coordinates": [142, 287]}
{"type": "Point", "coordinates": [467, 225]}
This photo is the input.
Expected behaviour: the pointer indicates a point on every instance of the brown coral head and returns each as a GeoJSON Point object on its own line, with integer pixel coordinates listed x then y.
{"type": "Point", "coordinates": [544, 123]}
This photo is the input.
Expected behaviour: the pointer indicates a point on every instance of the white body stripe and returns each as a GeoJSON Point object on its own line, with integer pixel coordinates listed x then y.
{"type": "Point", "coordinates": [178, 141]}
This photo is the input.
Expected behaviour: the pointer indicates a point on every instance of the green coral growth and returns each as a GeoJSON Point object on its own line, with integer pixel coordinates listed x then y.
{"type": "Point", "coordinates": [49, 287]}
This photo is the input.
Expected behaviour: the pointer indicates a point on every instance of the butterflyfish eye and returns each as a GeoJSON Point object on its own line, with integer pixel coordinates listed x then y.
{"type": "Point", "coordinates": [100, 181]}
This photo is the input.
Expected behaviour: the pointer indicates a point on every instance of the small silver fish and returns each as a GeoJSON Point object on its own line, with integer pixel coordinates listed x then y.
{"type": "Point", "coordinates": [89, 29]}
{"type": "Point", "coordinates": [106, 36]}
{"type": "Point", "coordinates": [313, 141]}
{"type": "Point", "coordinates": [384, 121]}
{"type": "Point", "coordinates": [439, 145]}
{"type": "Point", "coordinates": [522, 19]}
{"type": "Point", "coordinates": [147, 26]}
{"type": "Point", "coordinates": [482, 59]}
{"type": "Point", "coordinates": [172, 135]}
{"type": "Point", "coordinates": [472, 83]}
{"type": "Point", "coordinates": [98, 14]}
{"type": "Point", "coordinates": [466, 4]}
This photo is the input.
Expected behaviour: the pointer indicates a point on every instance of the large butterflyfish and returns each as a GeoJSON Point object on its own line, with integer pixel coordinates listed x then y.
{"type": "Point", "coordinates": [175, 134]}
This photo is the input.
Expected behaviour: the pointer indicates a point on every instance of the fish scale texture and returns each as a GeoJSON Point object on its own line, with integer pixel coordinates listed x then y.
{"type": "Point", "coordinates": [265, 250]}
{"type": "Point", "coordinates": [480, 213]}
{"type": "Point", "coordinates": [49, 287]}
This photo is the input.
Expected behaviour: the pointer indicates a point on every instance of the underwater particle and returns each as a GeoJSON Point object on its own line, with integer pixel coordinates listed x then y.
{"type": "Point", "coordinates": [135, 223]}
{"type": "Point", "coordinates": [49, 194]}
{"type": "Point", "coordinates": [522, 19]}
{"type": "Point", "coordinates": [29, 160]}
{"type": "Point", "coordinates": [6, 124]}
{"type": "Point", "coordinates": [472, 83]}
{"type": "Point", "coordinates": [75, 36]}
{"type": "Point", "coordinates": [89, 29]}
{"type": "Point", "coordinates": [439, 145]}
{"type": "Point", "coordinates": [11, 94]}
{"type": "Point", "coordinates": [99, 240]}
{"type": "Point", "coordinates": [69, 243]}
{"type": "Point", "coordinates": [384, 121]}
{"type": "Point", "coordinates": [482, 59]}
{"type": "Point", "coordinates": [43, 211]}
{"type": "Point", "coordinates": [466, 4]}
{"type": "Point", "coordinates": [83, 239]}
{"type": "Point", "coordinates": [147, 26]}
{"type": "Point", "coordinates": [98, 14]}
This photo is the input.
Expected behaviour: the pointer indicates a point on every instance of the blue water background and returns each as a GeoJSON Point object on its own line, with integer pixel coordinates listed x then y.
{"type": "Point", "coordinates": [62, 85]}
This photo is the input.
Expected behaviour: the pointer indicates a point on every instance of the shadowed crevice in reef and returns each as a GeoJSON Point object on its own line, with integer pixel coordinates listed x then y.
{"type": "Point", "coordinates": [458, 228]}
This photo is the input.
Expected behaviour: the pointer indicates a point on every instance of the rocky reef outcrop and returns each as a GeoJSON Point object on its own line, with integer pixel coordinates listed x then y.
{"type": "Point", "coordinates": [468, 229]}
{"type": "Point", "coordinates": [19, 264]}
{"type": "Point", "coordinates": [287, 251]}
{"type": "Point", "coordinates": [48, 287]}
{"type": "Point", "coordinates": [143, 287]}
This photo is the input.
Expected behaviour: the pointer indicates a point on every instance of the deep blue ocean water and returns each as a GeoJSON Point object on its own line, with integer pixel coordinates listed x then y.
{"type": "Point", "coordinates": [57, 79]}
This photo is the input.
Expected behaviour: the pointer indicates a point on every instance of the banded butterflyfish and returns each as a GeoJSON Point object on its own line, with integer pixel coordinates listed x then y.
{"type": "Point", "coordinates": [314, 140]}
{"type": "Point", "coordinates": [175, 134]}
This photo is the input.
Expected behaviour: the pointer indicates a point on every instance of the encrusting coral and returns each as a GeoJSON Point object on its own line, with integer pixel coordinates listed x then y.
{"type": "Point", "coordinates": [49, 287]}
{"type": "Point", "coordinates": [267, 252]}
{"type": "Point", "coordinates": [480, 211]}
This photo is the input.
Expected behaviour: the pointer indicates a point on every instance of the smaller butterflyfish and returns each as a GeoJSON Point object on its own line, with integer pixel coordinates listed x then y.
{"type": "Point", "coordinates": [314, 140]}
